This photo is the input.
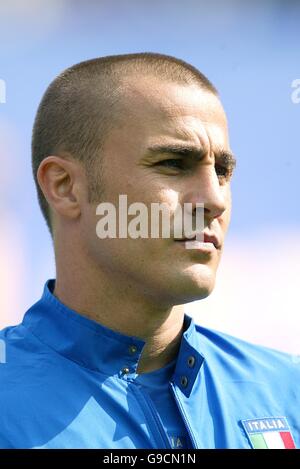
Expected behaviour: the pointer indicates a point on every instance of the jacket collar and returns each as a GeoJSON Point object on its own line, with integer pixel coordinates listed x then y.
{"type": "Point", "coordinates": [96, 347]}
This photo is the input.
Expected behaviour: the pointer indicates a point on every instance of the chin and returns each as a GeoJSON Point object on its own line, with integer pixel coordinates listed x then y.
{"type": "Point", "coordinates": [194, 284]}
{"type": "Point", "coordinates": [199, 292]}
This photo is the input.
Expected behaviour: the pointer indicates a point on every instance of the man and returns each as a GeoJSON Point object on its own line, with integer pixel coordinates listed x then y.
{"type": "Point", "coordinates": [105, 359]}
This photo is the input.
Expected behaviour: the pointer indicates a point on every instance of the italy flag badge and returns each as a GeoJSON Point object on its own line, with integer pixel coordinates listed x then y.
{"type": "Point", "coordinates": [269, 433]}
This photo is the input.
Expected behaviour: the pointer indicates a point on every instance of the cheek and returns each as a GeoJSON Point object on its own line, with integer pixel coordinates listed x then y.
{"type": "Point", "coordinates": [227, 214]}
{"type": "Point", "coordinates": [169, 197]}
{"type": "Point", "coordinates": [151, 191]}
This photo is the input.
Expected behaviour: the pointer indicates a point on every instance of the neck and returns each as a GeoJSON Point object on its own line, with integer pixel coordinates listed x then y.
{"type": "Point", "coordinates": [121, 306]}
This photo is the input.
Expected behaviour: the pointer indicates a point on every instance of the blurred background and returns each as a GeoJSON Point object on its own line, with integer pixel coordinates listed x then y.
{"type": "Point", "coordinates": [250, 50]}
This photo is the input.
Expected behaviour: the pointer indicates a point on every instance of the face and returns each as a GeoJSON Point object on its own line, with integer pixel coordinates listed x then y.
{"type": "Point", "coordinates": [148, 158]}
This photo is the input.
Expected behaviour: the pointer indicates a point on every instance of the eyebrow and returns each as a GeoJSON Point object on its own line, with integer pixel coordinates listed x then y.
{"type": "Point", "coordinates": [226, 157]}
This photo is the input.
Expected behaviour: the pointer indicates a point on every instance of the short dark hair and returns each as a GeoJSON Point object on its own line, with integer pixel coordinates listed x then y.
{"type": "Point", "coordinates": [78, 109]}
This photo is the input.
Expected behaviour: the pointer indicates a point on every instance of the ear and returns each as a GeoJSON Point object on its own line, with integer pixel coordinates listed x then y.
{"type": "Point", "coordinates": [60, 180]}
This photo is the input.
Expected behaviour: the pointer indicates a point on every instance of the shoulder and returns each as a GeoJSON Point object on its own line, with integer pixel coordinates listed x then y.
{"type": "Point", "coordinates": [15, 361]}
{"type": "Point", "coordinates": [19, 353]}
{"type": "Point", "coordinates": [31, 379]}
{"type": "Point", "coordinates": [251, 382]}
{"type": "Point", "coordinates": [16, 347]}
{"type": "Point", "coordinates": [247, 357]}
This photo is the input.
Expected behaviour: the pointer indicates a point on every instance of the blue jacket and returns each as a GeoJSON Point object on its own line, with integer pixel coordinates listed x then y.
{"type": "Point", "coordinates": [69, 382]}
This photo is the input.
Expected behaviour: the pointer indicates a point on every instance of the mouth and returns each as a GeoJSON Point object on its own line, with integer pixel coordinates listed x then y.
{"type": "Point", "coordinates": [206, 240]}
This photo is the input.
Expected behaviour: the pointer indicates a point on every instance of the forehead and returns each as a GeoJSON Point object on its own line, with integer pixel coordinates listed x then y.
{"type": "Point", "coordinates": [158, 112]}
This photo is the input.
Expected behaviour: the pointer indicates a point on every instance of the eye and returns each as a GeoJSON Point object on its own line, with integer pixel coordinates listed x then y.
{"type": "Point", "coordinates": [175, 163]}
{"type": "Point", "coordinates": [223, 172]}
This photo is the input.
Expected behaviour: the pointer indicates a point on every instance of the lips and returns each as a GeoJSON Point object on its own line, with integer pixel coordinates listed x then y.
{"type": "Point", "coordinates": [207, 238]}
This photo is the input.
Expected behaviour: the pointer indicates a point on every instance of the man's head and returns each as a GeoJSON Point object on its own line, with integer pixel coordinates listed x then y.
{"type": "Point", "coordinates": [96, 136]}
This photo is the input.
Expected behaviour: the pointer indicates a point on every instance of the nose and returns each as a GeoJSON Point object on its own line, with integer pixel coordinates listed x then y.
{"type": "Point", "coordinates": [205, 189]}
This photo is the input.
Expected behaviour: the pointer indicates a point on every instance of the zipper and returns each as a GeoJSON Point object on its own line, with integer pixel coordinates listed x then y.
{"type": "Point", "coordinates": [185, 420]}
{"type": "Point", "coordinates": [150, 406]}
